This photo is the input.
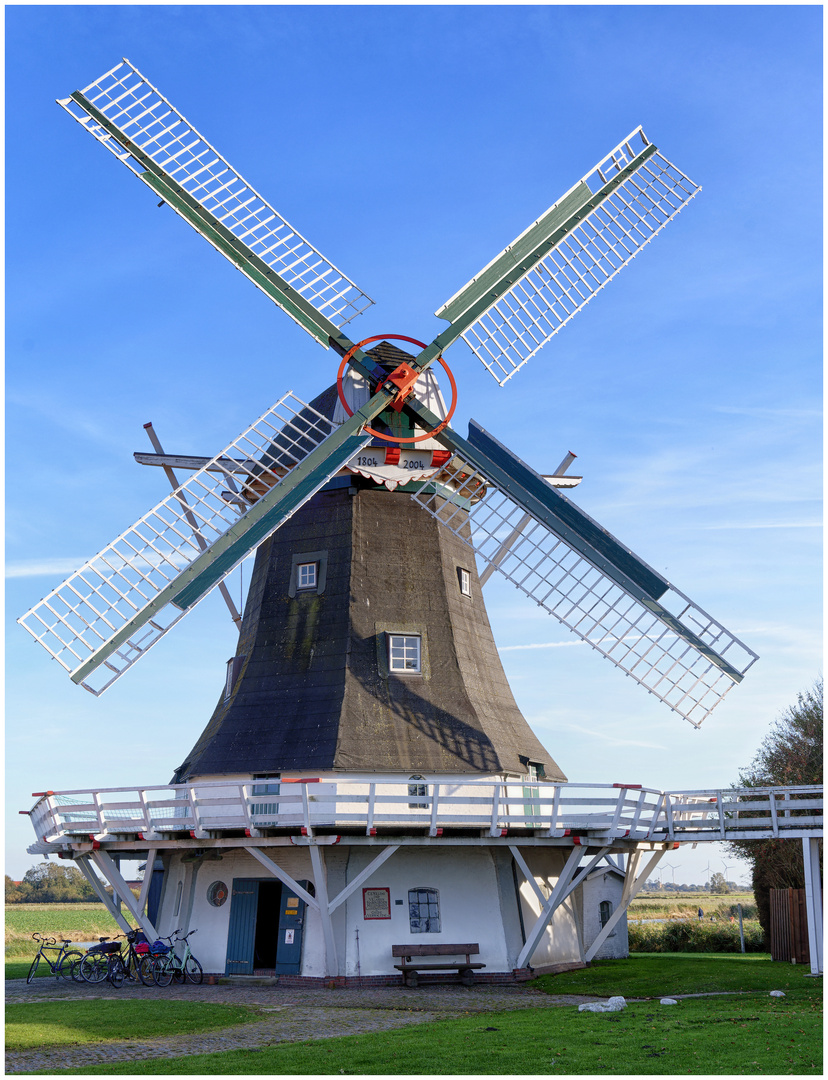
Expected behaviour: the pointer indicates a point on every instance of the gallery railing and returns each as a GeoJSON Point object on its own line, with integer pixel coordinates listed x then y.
{"type": "Point", "coordinates": [497, 808]}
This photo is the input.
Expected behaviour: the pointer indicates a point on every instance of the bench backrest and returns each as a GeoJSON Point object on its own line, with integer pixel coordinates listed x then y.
{"type": "Point", "coordinates": [437, 949]}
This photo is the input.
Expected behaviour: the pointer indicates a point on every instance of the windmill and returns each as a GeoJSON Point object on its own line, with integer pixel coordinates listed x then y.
{"type": "Point", "coordinates": [404, 678]}
{"type": "Point", "coordinates": [103, 618]}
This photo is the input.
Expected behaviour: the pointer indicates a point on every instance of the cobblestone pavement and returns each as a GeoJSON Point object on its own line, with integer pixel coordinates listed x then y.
{"type": "Point", "coordinates": [294, 1015]}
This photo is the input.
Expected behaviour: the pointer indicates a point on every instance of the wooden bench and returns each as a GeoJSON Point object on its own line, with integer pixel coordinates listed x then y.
{"type": "Point", "coordinates": [411, 965]}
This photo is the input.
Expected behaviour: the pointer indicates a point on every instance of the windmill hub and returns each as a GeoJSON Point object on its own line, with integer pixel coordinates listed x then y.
{"type": "Point", "coordinates": [402, 379]}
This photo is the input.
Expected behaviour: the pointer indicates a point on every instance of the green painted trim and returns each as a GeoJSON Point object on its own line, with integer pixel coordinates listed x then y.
{"type": "Point", "coordinates": [546, 234]}
{"type": "Point", "coordinates": [531, 492]}
{"type": "Point", "coordinates": [267, 279]}
{"type": "Point", "coordinates": [521, 248]}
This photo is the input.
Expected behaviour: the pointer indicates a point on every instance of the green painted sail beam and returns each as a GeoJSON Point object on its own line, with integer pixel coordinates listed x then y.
{"type": "Point", "coordinates": [525, 252]}
{"type": "Point", "coordinates": [259, 521]}
{"type": "Point", "coordinates": [268, 280]}
{"type": "Point", "coordinates": [531, 492]}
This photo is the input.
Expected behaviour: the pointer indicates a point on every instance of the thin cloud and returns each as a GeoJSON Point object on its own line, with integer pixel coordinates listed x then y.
{"type": "Point", "coordinates": [43, 567]}
{"type": "Point", "coordinates": [763, 525]}
{"type": "Point", "coordinates": [541, 645]}
{"type": "Point", "coordinates": [762, 413]}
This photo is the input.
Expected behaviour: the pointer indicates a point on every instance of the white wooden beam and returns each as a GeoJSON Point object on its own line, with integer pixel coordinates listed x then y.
{"type": "Point", "coordinates": [370, 869]}
{"type": "Point", "coordinates": [283, 876]}
{"type": "Point", "coordinates": [100, 891]}
{"type": "Point", "coordinates": [320, 880]}
{"type": "Point", "coordinates": [813, 901]}
{"type": "Point", "coordinates": [120, 888]}
{"type": "Point", "coordinates": [527, 873]}
{"type": "Point", "coordinates": [556, 897]}
{"type": "Point", "coordinates": [632, 885]}
{"type": "Point", "coordinates": [145, 884]}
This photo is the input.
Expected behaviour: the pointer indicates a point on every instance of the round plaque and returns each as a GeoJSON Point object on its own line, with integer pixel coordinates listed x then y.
{"type": "Point", "coordinates": [217, 893]}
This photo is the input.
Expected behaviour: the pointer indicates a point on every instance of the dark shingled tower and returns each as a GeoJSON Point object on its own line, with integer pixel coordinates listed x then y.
{"type": "Point", "coordinates": [313, 690]}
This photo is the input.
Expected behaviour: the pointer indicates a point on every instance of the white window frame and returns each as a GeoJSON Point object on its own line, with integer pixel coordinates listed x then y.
{"type": "Point", "coordinates": [409, 650]}
{"type": "Point", "coordinates": [311, 577]}
{"type": "Point", "coordinates": [427, 923]}
{"type": "Point", "coordinates": [464, 577]}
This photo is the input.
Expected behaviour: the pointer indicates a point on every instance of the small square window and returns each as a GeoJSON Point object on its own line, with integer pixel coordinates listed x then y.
{"type": "Point", "coordinates": [404, 653]}
{"type": "Point", "coordinates": [306, 575]}
{"type": "Point", "coordinates": [465, 581]}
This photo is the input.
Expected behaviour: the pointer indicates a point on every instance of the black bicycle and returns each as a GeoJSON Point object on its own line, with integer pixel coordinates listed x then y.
{"type": "Point", "coordinates": [63, 965]}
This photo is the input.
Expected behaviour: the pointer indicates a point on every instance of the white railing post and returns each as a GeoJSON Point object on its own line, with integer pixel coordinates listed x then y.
{"type": "Point", "coordinates": [96, 799]}
{"type": "Point", "coordinates": [494, 828]}
{"type": "Point", "coordinates": [813, 901]}
{"type": "Point", "coordinates": [306, 810]}
{"type": "Point", "coordinates": [774, 818]}
{"type": "Point", "coordinates": [432, 829]}
{"type": "Point", "coordinates": [372, 795]}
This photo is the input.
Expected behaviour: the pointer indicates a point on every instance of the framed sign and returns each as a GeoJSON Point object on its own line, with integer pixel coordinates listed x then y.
{"type": "Point", "coordinates": [376, 903]}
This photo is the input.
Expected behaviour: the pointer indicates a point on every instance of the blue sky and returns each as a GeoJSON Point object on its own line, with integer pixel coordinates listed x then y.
{"type": "Point", "coordinates": [411, 144]}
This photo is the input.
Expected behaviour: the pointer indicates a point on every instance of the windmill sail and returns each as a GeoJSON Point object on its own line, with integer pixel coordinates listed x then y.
{"type": "Point", "coordinates": [517, 303]}
{"type": "Point", "coordinates": [578, 572]}
{"type": "Point", "coordinates": [132, 119]}
{"type": "Point", "coordinates": [110, 612]}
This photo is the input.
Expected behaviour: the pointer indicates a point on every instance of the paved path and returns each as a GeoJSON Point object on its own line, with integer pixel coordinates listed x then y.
{"type": "Point", "coordinates": [290, 1015]}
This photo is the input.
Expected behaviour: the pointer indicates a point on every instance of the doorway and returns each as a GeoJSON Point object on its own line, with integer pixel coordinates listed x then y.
{"type": "Point", "coordinates": [266, 931]}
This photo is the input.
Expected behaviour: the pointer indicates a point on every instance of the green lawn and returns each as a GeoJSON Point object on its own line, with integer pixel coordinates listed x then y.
{"type": "Point", "coordinates": [668, 974]}
{"type": "Point", "coordinates": [747, 1033]}
{"type": "Point", "coordinates": [723, 1036]}
{"type": "Point", "coordinates": [61, 1023]}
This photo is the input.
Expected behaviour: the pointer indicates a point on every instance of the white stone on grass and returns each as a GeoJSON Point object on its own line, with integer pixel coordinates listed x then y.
{"type": "Point", "coordinates": [615, 1004]}
{"type": "Point", "coordinates": [669, 1001]}
{"type": "Point", "coordinates": [777, 993]}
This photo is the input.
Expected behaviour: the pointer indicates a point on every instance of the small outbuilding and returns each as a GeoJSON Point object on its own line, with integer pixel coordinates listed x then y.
{"type": "Point", "coordinates": [601, 896]}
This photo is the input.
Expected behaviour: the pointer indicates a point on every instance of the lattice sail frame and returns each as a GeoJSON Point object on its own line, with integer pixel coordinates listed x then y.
{"type": "Point", "coordinates": [131, 102]}
{"type": "Point", "coordinates": [585, 599]}
{"type": "Point", "coordinates": [124, 582]}
{"type": "Point", "coordinates": [535, 308]}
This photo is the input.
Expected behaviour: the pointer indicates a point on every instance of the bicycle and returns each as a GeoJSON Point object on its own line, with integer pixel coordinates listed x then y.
{"type": "Point", "coordinates": [63, 964]}
{"type": "Point", "coordinates": [94, 966]}
{"type": "Point", "coordinates": [170, 966]}
{"type": "Point", "coordinates": [109, 961]}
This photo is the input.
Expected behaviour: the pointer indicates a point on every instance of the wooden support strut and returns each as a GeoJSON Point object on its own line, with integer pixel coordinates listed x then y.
{"type": "Point", "coordinates": [632, 885]}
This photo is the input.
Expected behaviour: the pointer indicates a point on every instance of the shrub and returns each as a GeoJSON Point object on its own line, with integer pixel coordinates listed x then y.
{"type": "Point", "coordinates": [690, 935]}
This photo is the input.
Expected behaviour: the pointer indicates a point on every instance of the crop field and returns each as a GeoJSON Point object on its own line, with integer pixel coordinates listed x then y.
{"type": "Point", "coordinates": [77, 922]}
{"type": "Point", "coordinates": [670, 905]}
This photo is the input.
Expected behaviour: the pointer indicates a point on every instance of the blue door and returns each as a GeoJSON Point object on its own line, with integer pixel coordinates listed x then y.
{"type": "Point", "coordinates": [266, 927]}
{"type": "Point", "coordinates": [244, 901]}
{"type": "Point", "coordinates": [291, 925]}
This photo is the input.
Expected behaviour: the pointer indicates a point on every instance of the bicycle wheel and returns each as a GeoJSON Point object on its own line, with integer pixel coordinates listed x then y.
{"type": "Point", "coordinates": [76, 971]}
{"type": "Point", "coordinates": [93, 968]}
{"type": "Point", "coordinates": [116, 972]}
{"type": "Point", "coordinates": [192, 971]}
{"type": "Point", "coordinates": [145, 971]}
{"type": "Point", "coordinates": [162, 971]}
{"type": "Point", "coordinates": [67, 964]}
{"type": "Point", "coordinates": [178, 971]}
{"type": "Point", "coordinates": [33, 968]}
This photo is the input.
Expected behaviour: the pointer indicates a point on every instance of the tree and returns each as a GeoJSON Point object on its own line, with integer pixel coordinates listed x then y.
{"type": "Point", "coordinates": [718, 884]}
{"type": "Point", "coordinates": [47, 883]}
{"type": "Point", "coordinates": [790, 754]}
{"type": "Point", "coordinates": [14, 894]}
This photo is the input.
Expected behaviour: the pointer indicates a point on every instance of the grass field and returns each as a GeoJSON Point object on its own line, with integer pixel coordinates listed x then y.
{"type": "Point", "coordinates": [47, 1023]}
{"type": "Point", "coordinates": [720, 1036]}
{"type": "Point", "coordinates": [744, 1033]}
{"type": "Point", "coordinates": [670, 905]}
{"type": "Point", "coordinates": [77, 922]}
